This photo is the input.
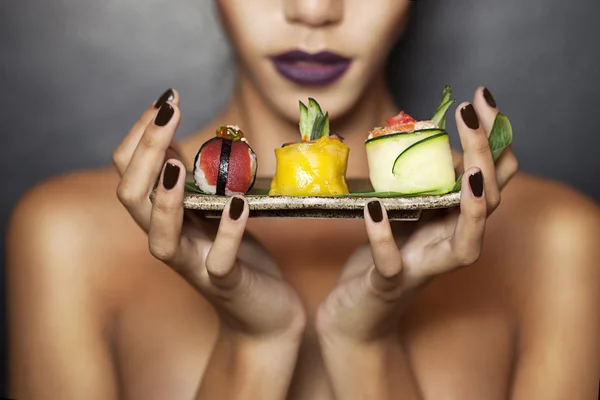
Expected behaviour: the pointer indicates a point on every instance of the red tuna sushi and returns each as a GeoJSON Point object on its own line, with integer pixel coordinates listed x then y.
{"type": "Point", "coordinates": [226, 164]}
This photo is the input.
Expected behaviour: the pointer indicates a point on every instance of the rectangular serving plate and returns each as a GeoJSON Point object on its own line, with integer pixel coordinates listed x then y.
{"type": "Point", "coordinates": [405, 208]}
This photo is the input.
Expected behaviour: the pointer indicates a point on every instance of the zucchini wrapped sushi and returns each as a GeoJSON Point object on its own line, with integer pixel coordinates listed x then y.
{"type": "Point", "coordinates": [315, 166]}
{"type": "Point", "coordinates": [226, 164]}
{"type": "Point", "coordinates": [412, 157]}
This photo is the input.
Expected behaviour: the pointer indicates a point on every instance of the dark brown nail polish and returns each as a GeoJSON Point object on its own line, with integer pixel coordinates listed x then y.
{"type": "Point", "coordinates": [489, 98]}
{"type": "Point", "coordinates": [470, 117]}
{"type": "Point", "coordinates": [170, 176]}
{"type": "Point", "coordinates": [164, 114]}
{"type": "Point", "coordinates": [476, 183]}
{"type": "Point", "coordinates": [375, 211]}
{"type": "Point", "coordinates": [236, 208]}
{"type": "Point", "coordinates": [169, 95]}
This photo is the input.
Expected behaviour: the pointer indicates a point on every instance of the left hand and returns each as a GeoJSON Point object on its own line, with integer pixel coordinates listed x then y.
{"type": "Point", "coordinates": [375, 285]}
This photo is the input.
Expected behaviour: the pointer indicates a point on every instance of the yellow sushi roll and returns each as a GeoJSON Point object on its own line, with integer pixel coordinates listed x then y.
{"type": "Point", "coordinates": [315, 166]}
{"type": "Point", "coordinates": [311, 168]}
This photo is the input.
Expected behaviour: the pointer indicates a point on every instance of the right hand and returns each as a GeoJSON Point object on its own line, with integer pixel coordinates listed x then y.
{"type": "Point", "coordinates": [229, 268]}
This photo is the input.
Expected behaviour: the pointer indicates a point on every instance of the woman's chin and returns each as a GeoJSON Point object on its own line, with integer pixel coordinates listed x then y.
{"type": "Point", "coordinates": [337, 102]}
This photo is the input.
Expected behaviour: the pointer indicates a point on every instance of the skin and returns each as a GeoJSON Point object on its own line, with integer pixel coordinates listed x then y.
{"type": "Point", "coordinates": [113, 297]}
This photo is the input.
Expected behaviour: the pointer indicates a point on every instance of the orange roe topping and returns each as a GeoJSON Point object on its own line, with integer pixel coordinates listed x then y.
{"type": "Point", "coordinates": [230, 132]}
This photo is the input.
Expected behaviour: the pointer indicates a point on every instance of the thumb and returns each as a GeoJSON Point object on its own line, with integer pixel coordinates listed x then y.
{"type": "Point", "coordinates": [221, 260]}
{"type": "Point", "coordinates": [386, 275]}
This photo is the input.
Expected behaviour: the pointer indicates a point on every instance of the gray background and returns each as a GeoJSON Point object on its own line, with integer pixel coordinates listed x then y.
{"type": "Point", "coordinates": [75, 74]}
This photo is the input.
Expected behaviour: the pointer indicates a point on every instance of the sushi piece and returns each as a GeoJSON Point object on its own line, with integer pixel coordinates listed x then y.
{"type": "Point", "coordinates": [314, 166]}
{"type": "Point", "coordinates": [226, 164]}
{"type": "Point", "coordinates": [412, 157]}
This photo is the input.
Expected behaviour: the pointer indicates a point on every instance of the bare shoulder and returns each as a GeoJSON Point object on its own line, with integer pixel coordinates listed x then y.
{"type": "Point", "coordinates": [546, 235]}
{"type": "Point", "coordinates": [84, 290]}
{"type": "Point", "coordinates": [71, 191]}
{"type": "Point", "coordinates": [63, 239]}
{"type": "Point", "coordinates": [78, 208]}
{"type": "Point", "coordinates": [69, 222]}
{"type": "Point", "coordinates": [545, 212]}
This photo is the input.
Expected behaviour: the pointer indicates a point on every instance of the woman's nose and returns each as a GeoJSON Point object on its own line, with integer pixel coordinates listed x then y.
{"type": "Point", "coordinates": [314, 12]}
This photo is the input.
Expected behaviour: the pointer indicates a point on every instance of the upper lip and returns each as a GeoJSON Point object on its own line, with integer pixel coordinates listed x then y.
{"type": "Point", "coordinates": [322, 57]}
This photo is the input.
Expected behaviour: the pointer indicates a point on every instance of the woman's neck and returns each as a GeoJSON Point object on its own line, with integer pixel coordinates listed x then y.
{"type": "Point", "coordinates": [266, 129]}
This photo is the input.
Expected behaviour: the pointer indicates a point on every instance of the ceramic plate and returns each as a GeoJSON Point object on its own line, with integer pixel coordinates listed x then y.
{"type": "Point", "coordinates": [347, 207]}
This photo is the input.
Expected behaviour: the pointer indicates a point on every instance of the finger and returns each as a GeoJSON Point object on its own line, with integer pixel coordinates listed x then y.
{"type": "Point", "coordinates": [174, 151]}
{"type": "Point", "coordinates": [465, 244]}
{"type": "Point", "coordinates": [141, 174]}
{"type": "Point", "coordinates": [486, 109]}
{"type": "Point", "coordinates": [124, 151]}
{"type": "Point", "coordinates": [477, 151]}
{"type": "Point", "coordinates": [221, 261]}
{"type": "Point", "coordinates": [385, 276]}
{"type": "Point", "coordinates": [164, 235]}
{"type": "Point", "coordinates": [507, 166]}
{"type": "Point", "coordinates": [457, 161]}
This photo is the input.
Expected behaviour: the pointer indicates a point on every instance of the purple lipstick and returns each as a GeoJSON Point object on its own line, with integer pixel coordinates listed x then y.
{"type": "Point", "coordinates": [307, 69]}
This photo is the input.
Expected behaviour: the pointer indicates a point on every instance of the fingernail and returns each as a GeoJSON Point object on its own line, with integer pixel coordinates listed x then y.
{"type": "Point", "coordinates": [236, 208]}
{"type": "Point", "coordinates": [164, 114]}
{"type": "Point", "coordinates": [169, 95]}
{"type": "Point", "coordinates": [489, 98]}
{"type": "Point", "coordinates": [375, 211]}
{"type": "Point", "coordinates": [170, 176]}
{"type": "Point", "coordinates": [470, 117]}
{"type": "Point", "coordinates": [476, 183]}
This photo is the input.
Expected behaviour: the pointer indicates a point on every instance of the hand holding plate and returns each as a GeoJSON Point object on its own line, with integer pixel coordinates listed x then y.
{"type": "Point", "coordinates": [231, 270]}
{"type": "Point", "coordinates": [376, 287]}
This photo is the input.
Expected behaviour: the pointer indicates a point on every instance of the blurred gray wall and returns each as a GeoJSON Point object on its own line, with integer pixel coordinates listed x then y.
{"type": "Point", "coordinates": [75, 74]}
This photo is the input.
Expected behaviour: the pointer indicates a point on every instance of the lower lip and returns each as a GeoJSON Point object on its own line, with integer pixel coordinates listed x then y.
{"type": "Point", "coordinates": [311, 74]}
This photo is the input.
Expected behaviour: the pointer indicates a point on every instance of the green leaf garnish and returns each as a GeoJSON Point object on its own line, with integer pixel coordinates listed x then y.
{"type": "Point", "coordinates": [446, 93]}
{"type": "Point", "coordinates": [318, 126]}
{"type": "Point", "coordinates": [500, 138]}
{"type": "Point", "coordinates": [440, 114]}
{"type": "Point", "coordinates": [192, 188]}
{"type": "Point", "coordinates": [313, 123]}
{"type": "Point", "coordinates": [325, 130]}
{"type": "Point", "coordinates": [305, 126]}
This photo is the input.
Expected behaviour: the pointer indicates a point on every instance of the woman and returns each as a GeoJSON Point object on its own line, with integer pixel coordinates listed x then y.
{"type": "Point", "coordinates": [101, 309]}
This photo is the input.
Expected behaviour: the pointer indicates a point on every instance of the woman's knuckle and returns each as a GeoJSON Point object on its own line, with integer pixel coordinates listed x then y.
{"type": "Point", "coordinates": [470, 259]}
{"type": "Point", "coordinates": [211, 265]}
{"type": "Point", "coordinates": [479, 215]}
{"type": "Point", "coordinates": [150, 139]}
{"type": "Point", "coordinates": [120, 158]}
{"type": "Point", "coordinates": [467, 257]}
{"type": "Point", "coordinates": [162, 252]}
{"type": "Point", "coordinates": [116, 154]}
{"type": "Point", "coordinates": [127, 194]}
{"type": "Point", "coordinates": [513, 163]}
{"type": "Point", "coordinates": [117, 160]}
{"type": "Point", "coordinates": [481, 147]}
{"type": "Point", "coordinates": [230, 235]}
{"type": "Point", "coordinates": [384, 241]}
{"type": "Point", "coordinates": [494, 199]}
{"type": "Point", "coordinates": [163, 207]}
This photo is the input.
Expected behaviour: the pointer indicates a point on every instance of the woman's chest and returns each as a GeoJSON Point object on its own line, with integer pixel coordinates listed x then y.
{"type": "Point", "coordinates": [460, 340]}
{"type": "Point", "coordinates": [457, 333]}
